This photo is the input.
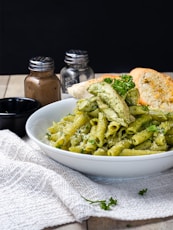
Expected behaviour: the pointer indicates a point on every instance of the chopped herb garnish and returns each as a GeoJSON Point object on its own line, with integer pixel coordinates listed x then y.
{"type": "Point", "coordinates": [145, 107]}
{"type": "Point", "coordinates": [108, 80]}
{"type": "Point", "coordinates": [152, 128]}
{"type": "Point", "coordinates": [91, 142]}
{"type": "Point", "coordinates": [122, 85]}
{"type": "Point", "coordinates": [104, 204]}
{"type": "Point", "coordinates": [48, 136]}
{"type": "Point", "coordinates": [143, 192]}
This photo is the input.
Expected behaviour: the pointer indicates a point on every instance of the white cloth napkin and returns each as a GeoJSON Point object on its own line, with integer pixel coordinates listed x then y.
{"type": "Point", "coordinates": [37, 192]}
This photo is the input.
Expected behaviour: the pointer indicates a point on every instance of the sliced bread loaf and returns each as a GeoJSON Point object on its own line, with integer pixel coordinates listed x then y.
{"type": "Point", "coordinates": [155, 88]}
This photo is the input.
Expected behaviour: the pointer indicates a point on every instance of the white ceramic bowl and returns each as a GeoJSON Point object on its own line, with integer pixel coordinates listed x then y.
{"type": "Point", "coordinates": [109, 166]}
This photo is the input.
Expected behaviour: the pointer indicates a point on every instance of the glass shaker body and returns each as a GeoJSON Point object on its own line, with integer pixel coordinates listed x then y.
{"type": "Point", "coordinates": [76, 69]}
{"type": "Point", "coordinates": [42, 84]}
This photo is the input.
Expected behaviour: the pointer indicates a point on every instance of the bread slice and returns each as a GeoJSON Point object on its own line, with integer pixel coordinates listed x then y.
{"type": "Point", "coordinates": [79, 90]}
{"type": "Point", "coordinates": [155, 88]}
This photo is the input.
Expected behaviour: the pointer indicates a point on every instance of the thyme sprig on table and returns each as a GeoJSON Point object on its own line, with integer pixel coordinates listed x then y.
{"type": "Point", "coordinates": [104, 204]}
{"type": "Point", "coordinates": [143, 192]}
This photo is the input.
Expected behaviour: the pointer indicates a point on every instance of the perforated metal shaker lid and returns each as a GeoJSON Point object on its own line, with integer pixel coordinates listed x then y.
{"type": "Point", "coordinates": [41, 63]}
{"type": "Point", "coordinates": [76, 56]}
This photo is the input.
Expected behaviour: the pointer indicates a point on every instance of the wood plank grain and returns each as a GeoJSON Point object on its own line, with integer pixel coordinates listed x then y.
{"type": "Point", "coordinates": [73, 226]}
{"type": "Point", "coordinates": [3, 85]}
{"type": "Point", "coordinates": [95, 223]}
{"type": "Point", "coordinates": [15, 86]}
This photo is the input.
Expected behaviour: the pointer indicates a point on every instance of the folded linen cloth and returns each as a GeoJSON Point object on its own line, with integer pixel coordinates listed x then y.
{"type": "Point", "coordinates": [37, 192]}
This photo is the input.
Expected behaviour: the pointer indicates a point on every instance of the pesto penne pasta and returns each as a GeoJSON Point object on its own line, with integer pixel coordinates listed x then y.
{"type": "Point", "coordinates": [70, 129]}
{"type": "Point", "coordinates": [170, 131]}
{"type": "Point", "coordinates": [141, 136]}
{"type": "Point", "coordinates": [107, 124]}
{"type": "Point", "coordinates": [118, 147]}
{"type": "Point", "coordinates": [156, 147]}
{"type": "Point", "coordinates": [80, 119]}
{"type": "Point", "coordinates": [100, 152]}
{"type": "Point", "coordinates": [135, 152]}
{"type": "Point", "coordinates": [135, 126]}
{"type": "Point", "coordinates": [121, 133]}
{"type": "Point", "coordinates": [144, 145]}
{"type": "Point", "coordinates": [112, 128]}
{"type": "Point", "coordinates": [165, 126]}
{"type": "Point", "coordinates": [90, 145]}
{"type": "Point", "coordinates": [101, 130]}
{"type": "Point", "coordinates": [158, 115]}
{"type": "Point", "coordinates": [169, 139]}
{"type": "Point", "coordinates": [170, 116]}
{"type": "Point", "coordinates": [110, 114]}
{"type": "Point", "coordinates": [112, 140]}
{"type": "Point", "coordinates": [76, 149]}
{"type": "Point", "coordinates": [138, 109]}
{"type": "Point", "coordinates": [132, 96]}
{"type": "Point", "coordinates": [160, 139]}
{"type": "Point", "coordinates": [94, 113]}
{"type": "Point", "coordinates": [87, 105]}
{"type": "Point", "coordinates": [94, 121]}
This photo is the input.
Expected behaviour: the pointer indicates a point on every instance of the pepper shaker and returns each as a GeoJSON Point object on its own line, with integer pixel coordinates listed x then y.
{"type": "Point", "coordinates": [42, 84]}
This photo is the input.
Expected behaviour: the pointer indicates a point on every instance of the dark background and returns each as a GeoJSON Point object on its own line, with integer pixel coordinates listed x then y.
{"type": "Point", "coordinates": [118, 35]}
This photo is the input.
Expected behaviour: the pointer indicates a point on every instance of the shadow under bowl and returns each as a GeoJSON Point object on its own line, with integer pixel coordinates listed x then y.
{"type": "Point", "coordinates": [15, 111]}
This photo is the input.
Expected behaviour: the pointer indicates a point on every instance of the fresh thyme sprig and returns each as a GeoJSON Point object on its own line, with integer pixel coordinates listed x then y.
{"type": "Point", "coordinates": [104, 204]}
{"type": "Point", "coordinates": [143, 192]}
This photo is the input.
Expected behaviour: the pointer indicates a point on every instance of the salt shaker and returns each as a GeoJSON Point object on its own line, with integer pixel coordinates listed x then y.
{"type": "Point", "coordinates": [76, 70]}
{"type": "Point", "coordinates": [42, 84]}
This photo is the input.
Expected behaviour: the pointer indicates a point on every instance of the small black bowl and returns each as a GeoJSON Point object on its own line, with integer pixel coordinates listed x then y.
{"type": "Point", "coordinates": [14, 112]}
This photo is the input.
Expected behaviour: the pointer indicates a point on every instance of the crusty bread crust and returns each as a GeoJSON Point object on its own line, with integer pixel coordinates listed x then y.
{"type": "Point", "coordinates": [80, 90]}
{"type": "Point", "coordinates": [155, 88]}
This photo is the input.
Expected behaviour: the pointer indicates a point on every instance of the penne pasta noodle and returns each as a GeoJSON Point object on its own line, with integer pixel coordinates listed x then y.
{"type": "Point", "coordinates": [134, 152]}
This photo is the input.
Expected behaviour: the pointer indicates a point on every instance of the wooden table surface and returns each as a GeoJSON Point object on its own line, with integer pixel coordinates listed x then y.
{"type": "Point", "coordinates": [12, 86]}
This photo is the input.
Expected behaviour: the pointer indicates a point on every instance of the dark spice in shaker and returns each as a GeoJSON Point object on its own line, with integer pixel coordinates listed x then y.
{"type": "Point", "coordinates": [42, 83]}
